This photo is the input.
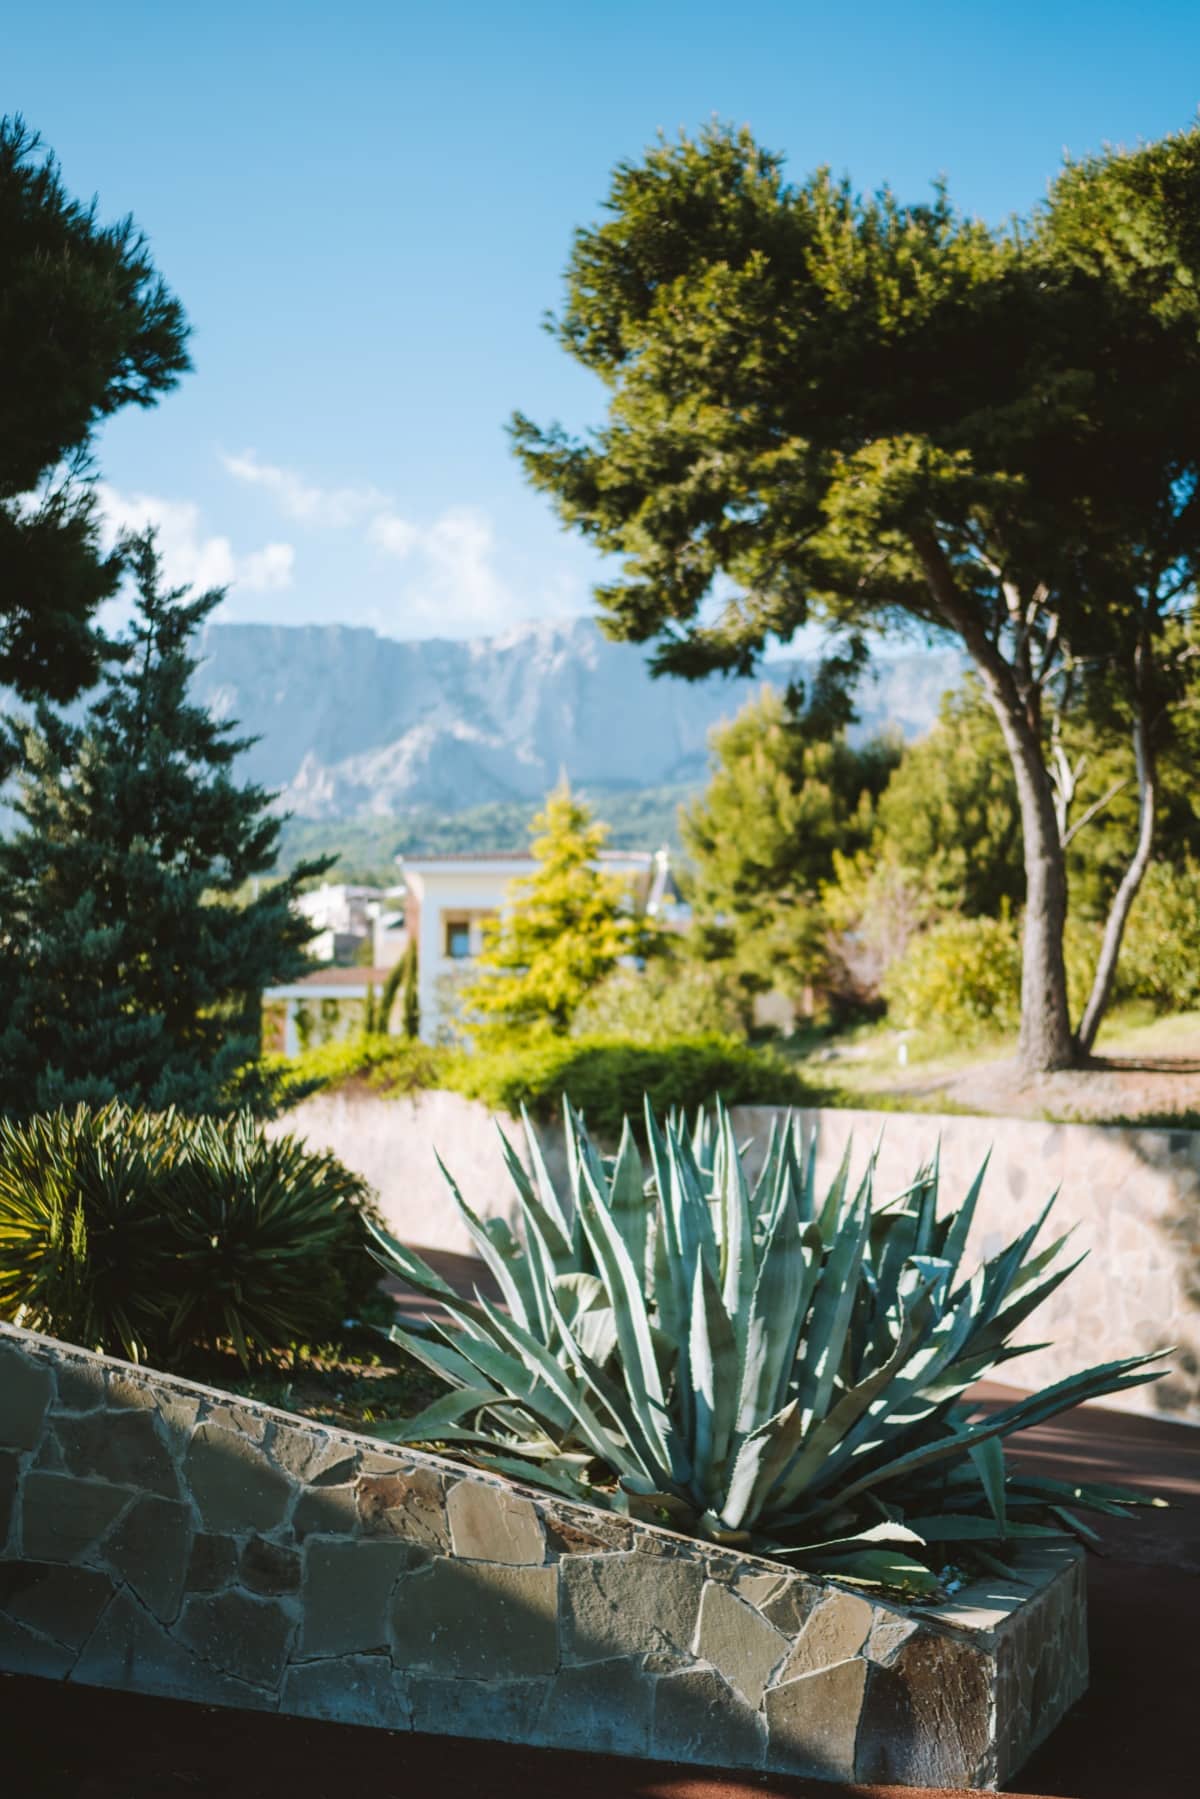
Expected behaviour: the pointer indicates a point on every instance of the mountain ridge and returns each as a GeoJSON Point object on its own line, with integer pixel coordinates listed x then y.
{"type": "Point", "coordinates": [350, 723]}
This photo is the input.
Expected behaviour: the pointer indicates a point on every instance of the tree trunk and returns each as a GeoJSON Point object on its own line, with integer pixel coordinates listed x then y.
{"type": "Point", "coordinates": [1046, 1042]}
{"type": "Point", "coordinates": [1126, 893]}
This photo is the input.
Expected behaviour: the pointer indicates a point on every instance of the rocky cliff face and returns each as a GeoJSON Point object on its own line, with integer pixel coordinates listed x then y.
{"type": "Point", "coordinates": [350, 722]}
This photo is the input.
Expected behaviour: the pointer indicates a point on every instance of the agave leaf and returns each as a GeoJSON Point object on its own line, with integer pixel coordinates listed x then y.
{"type": "Point", "coordinates": [959, 1225]}
{"type": "Point", "coordinates": [553, 1224]}
{"type": "Point", "coordinates": [891, 1530]}
{"type": "Point", "coordinates": [959, 1527]}
{"type": "Point", "coordinates": [632, 1208]}
{"type": "Point", "coordinates": [787, 1275]}
{"type": "Point", "coordinates": [496, 1259]}
{"type": "Point", "coordinates": [739, 1269]}
{"type": "Point", "coordinates": [548, 1372]}
{"type": "Point", "coordinates": [399, 1259]}
{"type": "Point", "coordinates": [1113, 1377]}
{"type": "Point", "coordinates": [432, 1424]}
{"type": "Point", "coordinates": [537, 1474]}
{"type": "Point", "coordinates": [713, 1361]}
{"type": "Point", "coordinates": [759, 1458]}
{"type": "Point", "coordinates": [828, 1221]}
{"type": "Point", "coordinates": [987, 1458]}
{"type": "Point", "coordinates": [633, 1325]}
{"type": "Point", "coordinates": [833, 1301]}
{"type": "Point", "coordinates": [876, 1568]}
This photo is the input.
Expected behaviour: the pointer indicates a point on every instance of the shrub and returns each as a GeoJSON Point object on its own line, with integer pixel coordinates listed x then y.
{"type": "Point", "coordinates": [1160, 957]}
{"type": "Point", "coordinates": [391, 1064]}
{"type": "Point", "coordinates": [606, 1077]}
{"type": "Point", "coordinates": [962, 976]}
{"type": "Point", "coordinates": [666, 999]}
{"type": "Point", "coordinates": [749, 1364]}
{"type": "Point", "coordinates": [150, 1235]}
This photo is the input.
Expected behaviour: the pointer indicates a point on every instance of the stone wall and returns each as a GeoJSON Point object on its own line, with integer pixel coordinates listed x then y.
{"type": "Point", "coordinates": [159, 1536]}
{"type": "Point", "coordinates": [1133, 1196]}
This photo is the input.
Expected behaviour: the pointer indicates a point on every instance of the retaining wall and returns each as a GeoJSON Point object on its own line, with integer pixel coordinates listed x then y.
{"type": "Point", "coordinates": [161, 1537]}
{"type": "Point", "coordinates": [1133, 1197]}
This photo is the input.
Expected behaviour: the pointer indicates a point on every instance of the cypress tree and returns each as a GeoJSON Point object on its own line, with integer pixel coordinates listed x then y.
{"type": "Point", "coordinates": [132, 962]}
{"type": "Point", "coordinates": [412, 1001]}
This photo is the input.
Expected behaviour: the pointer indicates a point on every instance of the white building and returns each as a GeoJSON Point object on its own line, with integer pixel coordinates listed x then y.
{"type": "Point", "coordinates": [449, 899]}
{"type": "Point", "coordinates": [346, 918]}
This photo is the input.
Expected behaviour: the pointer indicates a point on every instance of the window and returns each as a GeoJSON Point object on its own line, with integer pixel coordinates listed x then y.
{"type": "Point", "coordinates": [458, 938]}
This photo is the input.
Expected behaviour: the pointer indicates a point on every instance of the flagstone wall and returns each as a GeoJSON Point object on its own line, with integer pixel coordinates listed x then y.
{"type": "Point", "coordinates": [158, 1536]}
{"type": "Point", "coordinates": [1132, 1197]}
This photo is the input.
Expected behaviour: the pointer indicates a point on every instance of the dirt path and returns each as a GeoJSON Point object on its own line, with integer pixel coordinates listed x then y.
{"type": "Point", "coordinates": [1158, 1089]}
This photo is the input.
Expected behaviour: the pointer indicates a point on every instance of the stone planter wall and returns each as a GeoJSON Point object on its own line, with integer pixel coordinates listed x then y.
{"type": "Point", "coordinates": [1134, 1196]}
{"type": "Point", "coordinates": [159, 1536]}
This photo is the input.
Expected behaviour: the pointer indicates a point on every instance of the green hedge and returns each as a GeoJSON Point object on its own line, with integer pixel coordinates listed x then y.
{"type": "Point", "coordinates": [605, 1077]}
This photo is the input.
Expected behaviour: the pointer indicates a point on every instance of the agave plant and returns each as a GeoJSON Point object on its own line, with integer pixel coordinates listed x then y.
{"type": "Point", "coordinates": [749, 1363]}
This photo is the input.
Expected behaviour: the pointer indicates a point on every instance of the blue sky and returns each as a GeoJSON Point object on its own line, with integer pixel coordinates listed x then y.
{"type": "Point", "coordinates": [366, 210]}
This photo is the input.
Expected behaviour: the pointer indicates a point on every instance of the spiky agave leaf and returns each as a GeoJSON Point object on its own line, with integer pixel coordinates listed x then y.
{"type": "Point", "coordinates": [749, 1359]}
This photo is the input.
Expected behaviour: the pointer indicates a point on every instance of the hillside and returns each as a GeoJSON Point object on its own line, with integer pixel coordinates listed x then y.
{"type": "Point", "coordinates": [352, 724]}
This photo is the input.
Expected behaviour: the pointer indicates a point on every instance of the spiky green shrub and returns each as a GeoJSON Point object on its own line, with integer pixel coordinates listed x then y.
{"type": "Point", "coordinates": [749, 1363]}
{"type": "Point", "coordinates": [150, 1235]}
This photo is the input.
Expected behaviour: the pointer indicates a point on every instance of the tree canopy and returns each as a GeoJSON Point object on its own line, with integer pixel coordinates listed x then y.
{"type": "Point", "coordinates": [886, 416]}
{"type": "Point", "coordinates": [132, 962]}
{"type": "Point", "coordinates": [567, 926]}
{"type": "Point", "coordinates": [87, 327]}
{"type": "Point", "coordinates": [782, 800]}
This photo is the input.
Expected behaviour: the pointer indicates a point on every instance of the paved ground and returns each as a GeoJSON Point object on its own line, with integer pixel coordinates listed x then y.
{"type": "Point", "coordinates": [1133, 1736]}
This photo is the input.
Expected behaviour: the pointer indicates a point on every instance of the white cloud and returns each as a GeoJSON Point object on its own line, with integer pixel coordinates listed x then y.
{"type": "Point", "coordinates": [189, 557]}
{"type": "Point", "coordinates": [300, 499]}
{"type": "Point", "coordinates": [457, 579]}
{"type": "Point", "coordinates": [453, 579]}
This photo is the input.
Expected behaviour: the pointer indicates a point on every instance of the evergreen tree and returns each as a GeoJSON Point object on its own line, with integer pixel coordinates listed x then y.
{"type": "Point", "coordinates": [782, 800]}
{"type": "Point", "coordinates": [566, 928]}
{"type": "Point", "coordinates": [412, 998]}
{"type": "Point", "coordinates": [131, 964]}
{"type": "Point", "coordinates": [87, 327]}
{"type": "Point", "coordinates": [873, 414]}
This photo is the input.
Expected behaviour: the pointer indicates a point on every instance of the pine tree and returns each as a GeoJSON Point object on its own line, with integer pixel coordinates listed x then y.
{"type": "Point", "coordinates": [87, 328]}
{"type": "Point", "coordinates": [786, 794]}
{"type": "Point", "coordinates": [131, 962]}
{"type": "Point", "coordinates": [566, 928]}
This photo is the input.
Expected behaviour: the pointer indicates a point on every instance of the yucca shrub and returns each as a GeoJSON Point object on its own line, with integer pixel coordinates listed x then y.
{"type": "Point", "coordinates": [151, 1235]}
{"type": "Point", "coordinates": [751, 1363]}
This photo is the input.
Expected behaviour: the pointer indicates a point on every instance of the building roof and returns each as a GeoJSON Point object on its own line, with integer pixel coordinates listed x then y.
{"type": "Point", "coordinates": [354, 981]}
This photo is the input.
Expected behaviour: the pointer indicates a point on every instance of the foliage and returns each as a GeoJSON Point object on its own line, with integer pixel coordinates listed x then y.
{"type": "Point", "coordinates": [950, 811]}
{"type": "Point", "coordinates": [411, 1002]}
{"type": "Point", "coordinates": [130, 965]}
{"type": "Point", "coordinates": [606, 1076]}
{"type": "Point", "coordinates": [874, 906]}
{"type": "Point", "coordinates": [567, 926]}
{"type": "Point", "coordinates": [670, 997]}
{"type": "Point", "coordinates": [87, 328]}
{"type": "Point", "coordinates": [390, 1064]}
{"type": "Point", "coordinates": [151, 1235]}
{"type": "Point", "coordinates": [365, 849]}
{"type": "Point", "coordinates": [875, 414]}
{"type": "Point", "coordinates": [962, 976]}
{"type": "Point", "coordinates": [1160, 959]}
{"type": "Point", "coordinates": [781, 802]}
{"type": "Point", "coordinates": [757, 1366]}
